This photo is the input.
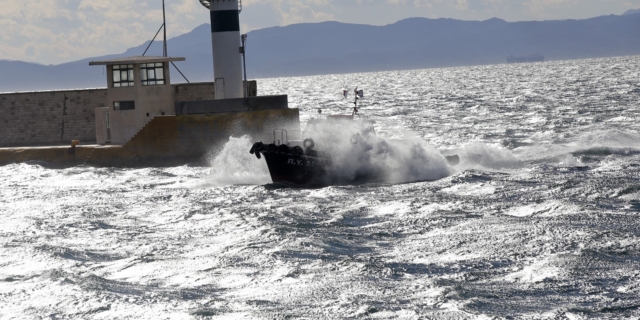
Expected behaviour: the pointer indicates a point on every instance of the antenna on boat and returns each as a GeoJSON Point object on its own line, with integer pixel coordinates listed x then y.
{"type": "Point", "coordinates": [359, 94]}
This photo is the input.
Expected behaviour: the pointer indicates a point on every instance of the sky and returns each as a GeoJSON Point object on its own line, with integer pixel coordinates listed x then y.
{"type": "Point", "coordinates": [58, 31]}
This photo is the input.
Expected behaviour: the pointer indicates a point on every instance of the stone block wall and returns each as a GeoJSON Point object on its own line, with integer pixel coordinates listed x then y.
{"type": "Point", "coordinates": [204, 91]}
{"type": "Point", "coordinates": [49, 117]}
{"type": "Point", "coordinates": [195, 91]}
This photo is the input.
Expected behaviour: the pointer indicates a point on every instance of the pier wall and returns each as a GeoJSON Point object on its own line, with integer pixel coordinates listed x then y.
{"type": "Point", "coordinates": [36, 118]}
{"type": "Point", "coordinates": [49, 117]}
{"type": "Point", "coordinates": [165, 140]}
{"type": "Point", "coordinates": [204, 91]}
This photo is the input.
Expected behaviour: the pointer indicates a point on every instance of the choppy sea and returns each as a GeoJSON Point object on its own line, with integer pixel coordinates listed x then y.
{"type": "Point", "coordinates": [540, 220]}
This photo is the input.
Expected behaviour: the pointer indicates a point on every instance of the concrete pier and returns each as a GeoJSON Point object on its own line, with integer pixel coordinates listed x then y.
{"type": "Point", "coordinates": [164, 141]}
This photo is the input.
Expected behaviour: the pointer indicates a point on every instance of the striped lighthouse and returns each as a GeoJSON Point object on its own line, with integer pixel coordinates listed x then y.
{"type": "Point", "coordinates": [225, 38]}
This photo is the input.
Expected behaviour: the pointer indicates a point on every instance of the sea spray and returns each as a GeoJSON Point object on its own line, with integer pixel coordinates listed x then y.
{"type": "Point", "coordinates": [234, 165]}
{"type": "Point", "coordinates": [483, 156]}
{"type": "Point", "coordinates": [584, 146]}
{"type": "Point", "coordinates": [358, 155]}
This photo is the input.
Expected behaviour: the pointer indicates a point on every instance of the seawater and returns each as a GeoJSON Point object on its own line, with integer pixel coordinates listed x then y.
{"type": "Point", "coordinates": [539, 221]}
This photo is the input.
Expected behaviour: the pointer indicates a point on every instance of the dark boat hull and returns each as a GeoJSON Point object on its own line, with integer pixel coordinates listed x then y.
{"type": "Point", "coordinates": [300, 170]}
{"type": "Point", "coordinates": [311, 169]}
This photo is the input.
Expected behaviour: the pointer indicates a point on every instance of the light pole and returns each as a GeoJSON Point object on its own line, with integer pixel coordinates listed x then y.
{"type": "Point", "coordinates": [164, 24]}
{"type": "Point", "coordinates": [244, 65]}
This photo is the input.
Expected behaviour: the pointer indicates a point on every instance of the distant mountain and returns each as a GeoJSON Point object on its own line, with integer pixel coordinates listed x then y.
{"type": "Point", "coordinates": [333, 47]}
{"type": "Point", "coordinates": [632, 11]}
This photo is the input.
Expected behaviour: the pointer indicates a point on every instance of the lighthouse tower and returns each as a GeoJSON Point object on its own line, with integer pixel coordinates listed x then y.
{"type": "Point", "coordinates": [225, 38]}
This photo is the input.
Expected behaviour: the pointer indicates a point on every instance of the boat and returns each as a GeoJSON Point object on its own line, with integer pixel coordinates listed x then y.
{"type": "Point", "coordinates": [524, 59]}
{"type": "Point", "coordinates": [297, 162]}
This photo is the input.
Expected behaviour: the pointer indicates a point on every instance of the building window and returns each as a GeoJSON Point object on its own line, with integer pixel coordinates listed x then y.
{"type": "Point", "coordinates": [152, 74]}
{"type": "Point", "coordinates": [123, 75]}
{"type": "Point", "coordinates": [124, 105]}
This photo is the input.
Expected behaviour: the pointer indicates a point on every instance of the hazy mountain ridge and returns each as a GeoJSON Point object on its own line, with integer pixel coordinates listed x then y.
{"type": "Point", "coordinates": [334, 47]}
{"type": "Point", "coordinates": [632, 11]}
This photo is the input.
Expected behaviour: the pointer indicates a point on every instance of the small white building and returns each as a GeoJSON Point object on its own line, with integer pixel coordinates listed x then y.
{"type": "Point", "coordinates": [138, 89]}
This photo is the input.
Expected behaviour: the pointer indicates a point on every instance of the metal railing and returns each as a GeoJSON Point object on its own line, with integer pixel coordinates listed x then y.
{"type": "Point", "coordinates": [207, 4]}
{"type": "Point", "coordinates": [284, 136]}
{"type": "Point", "coordinates": [296, 135]}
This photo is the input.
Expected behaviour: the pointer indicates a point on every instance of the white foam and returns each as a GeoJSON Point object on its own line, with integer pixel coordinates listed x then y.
{"type": "Point", "coordinates": [355, 152]}
{"type": "Point", "coordinates": [471, 189]}
{"type": "Point", "coordinates": [545, 209]}
{"type": "Point", "coordinates": [573, 316]}
{"type": "Point", "coordinates": [234, 165]}
{"type": "Point", "coordinates": [484, 156]}
{"type": "Point", "coordinates": [562, 152]}
{"type": "Point", "coordinates": [394, 208]}
{"type": "Point", "coordinates": [537, 272]}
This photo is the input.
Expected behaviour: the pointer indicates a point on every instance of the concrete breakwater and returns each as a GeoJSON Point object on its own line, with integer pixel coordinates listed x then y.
{"type": "Point", "coordinates": [165, 140]}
